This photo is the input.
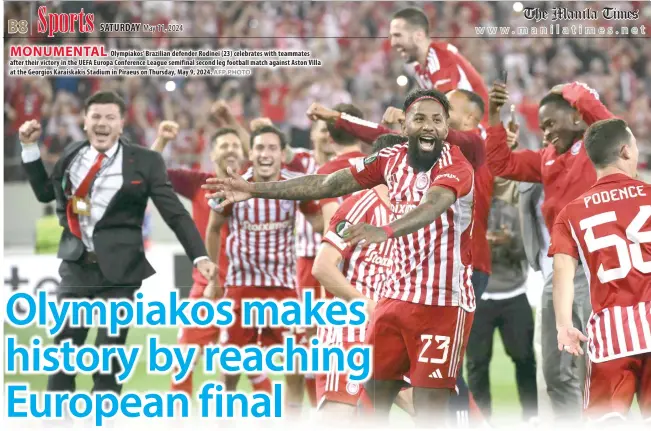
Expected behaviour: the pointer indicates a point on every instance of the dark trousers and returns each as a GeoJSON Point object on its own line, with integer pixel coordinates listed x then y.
{"type": "Point", "coordinates": [459, 403]}
{"type": "Point", "coordinates": [514, 319]}
{"type": "Point", "coordinates": [86, 281]}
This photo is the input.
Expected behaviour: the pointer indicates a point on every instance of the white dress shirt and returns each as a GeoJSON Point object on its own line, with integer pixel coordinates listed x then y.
{"type": "Point", "coordinates": [104, 188]}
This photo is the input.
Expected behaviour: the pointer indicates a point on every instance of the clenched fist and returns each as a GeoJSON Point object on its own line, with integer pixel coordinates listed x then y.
{"type": "Point", "coordinates": [168, 130]}
{"type": "Point", "coordinates": [29, 132]}
{"type": "Point", "coordinates": [260, 122]}
{"type": "Point", "coordinates": [393, 116]}
{"type": "Point", "coordinates": [220, 111]}
{"type": "Point", "coordinates": [317, 111]}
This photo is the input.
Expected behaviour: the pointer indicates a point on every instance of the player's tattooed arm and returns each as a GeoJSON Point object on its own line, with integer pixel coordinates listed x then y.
{"type": "Point", "coordinates": [436, 201]}
{"type": "Point", "coordinates": [309, 187]}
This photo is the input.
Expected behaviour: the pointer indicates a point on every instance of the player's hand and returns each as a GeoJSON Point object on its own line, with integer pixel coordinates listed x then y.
{"type": "Point", "coordinates": [221, 112]}
{"type": "Point", "coordinates": [570, 339]}
{"type": "Point", "coordinates": [393, 116]}
{"type": "Point", "coordinates": [167, 131]}
{"type": "Point", "coordinates": [317, 111]}
{"type": "Point", "coordinates": [212, 290]}
{"type": "Point", "coordinates": [29, 132]}
{"type": "Point", "coordinates": [257, 123]}
{"type": "Point", "coordinates": [512, 137]}
{"type": "Point", "coordinates": [228, 190]}
{"type": "Point", "coordinates": [558, 89]}
{"type": "Point", "coordinates": [207, 268]}
{"type": "Point", "coordinates": [364, 234]}
{"type": "Point", "coordinates": [497, 97]}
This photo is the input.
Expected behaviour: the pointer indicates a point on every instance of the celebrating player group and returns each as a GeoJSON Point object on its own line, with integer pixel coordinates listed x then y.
{"type": "Point", "coordinates": [397, 214]}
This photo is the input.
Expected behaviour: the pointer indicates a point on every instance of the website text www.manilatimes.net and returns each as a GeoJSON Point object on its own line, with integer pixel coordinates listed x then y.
{"type": "Point", "coordinates": [561, 30]}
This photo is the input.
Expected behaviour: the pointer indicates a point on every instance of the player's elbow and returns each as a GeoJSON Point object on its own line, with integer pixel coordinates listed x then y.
{"type": "Point", "coordinates": [321, 268]}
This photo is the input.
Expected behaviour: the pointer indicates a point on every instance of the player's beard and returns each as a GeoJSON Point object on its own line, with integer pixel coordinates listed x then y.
{"type": "Point", "coordinates": [422, 161]}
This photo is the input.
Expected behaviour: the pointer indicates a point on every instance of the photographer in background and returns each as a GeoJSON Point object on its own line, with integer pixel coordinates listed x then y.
{"type": "Point", "coordinates": [504, 306]}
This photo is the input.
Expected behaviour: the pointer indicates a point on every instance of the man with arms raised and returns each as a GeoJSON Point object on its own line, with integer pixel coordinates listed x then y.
{"type": "Point", "coordinates": [437, 65]}
{"type": "Point", "coordinates": [565, 171]}
{"type": "Point", "coordinates": [227, 151]}
{"type": "Point", "coordinates": [608, 228]}
{"type": "Point", "coordinates": [352, 273]}
{"type": "Point", "coordinates": [261, 251]}
{"type": "Point", "coordinates": [421, 325]}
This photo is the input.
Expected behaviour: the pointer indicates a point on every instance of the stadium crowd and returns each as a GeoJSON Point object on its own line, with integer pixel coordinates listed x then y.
{"type": "Point", "coordinates": [358, 66]}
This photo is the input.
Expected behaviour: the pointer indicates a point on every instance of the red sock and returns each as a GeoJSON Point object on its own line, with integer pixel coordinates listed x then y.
{"type": "Point", "coordinates": [310, 388]}
{"type": "Point", "coordinates": [261, 383]}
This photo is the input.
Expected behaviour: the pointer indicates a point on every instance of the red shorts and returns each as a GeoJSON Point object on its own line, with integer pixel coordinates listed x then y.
{"type": "Point", "coordinates": [199, 336]}
{"type": "Point", "coordinates": [425, 342]}
{"type": "Point", "coordinates": [265, 337]}
{"type": "Point", "coordinates": [611, 386]}
{"type": "Point", "coordinates": [334, 385]}
{"type": "Point", "coordinates": [306, 280]}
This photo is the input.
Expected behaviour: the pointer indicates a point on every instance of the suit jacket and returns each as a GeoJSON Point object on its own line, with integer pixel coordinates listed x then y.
{"type": "Point", "coordinates": [532, 235]}
{"type": "Point", "coordinates": [117, 237]}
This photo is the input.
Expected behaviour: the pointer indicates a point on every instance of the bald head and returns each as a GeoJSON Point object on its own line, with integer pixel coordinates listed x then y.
{"type": "Point", "coordinates": [467, 109]}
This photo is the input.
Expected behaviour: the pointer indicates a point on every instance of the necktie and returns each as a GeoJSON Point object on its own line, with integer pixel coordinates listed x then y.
{"type": "Point", "coordinates": [82, 192]}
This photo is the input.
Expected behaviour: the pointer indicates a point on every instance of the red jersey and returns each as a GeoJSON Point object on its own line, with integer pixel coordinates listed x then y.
{"type": "Point", "coordinates": [188, 184]}
{"type": "Point", "coordinates": [337, 163]}
{"type": "Point", "coordinates": [564, 176]}
{"type": "Point", "coordinates": [446, 70]}
{"type": "Point", "coordinates": [306, 239]}
{"type": "Point", "coordinates": [365, 267]}
{"type": "Point", "coordinates": [261, 246]}
{"type": "Point", "coordinates": [472, 146]}
{"type": "Point", "coordinates": [433, 265]}
{"type": "Point", "coordinates": [609, 229]}
{"type": "Point", "coordinates": [470, 143]}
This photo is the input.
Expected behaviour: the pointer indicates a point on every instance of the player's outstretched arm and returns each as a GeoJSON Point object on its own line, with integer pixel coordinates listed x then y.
{"type": "Point", "coordinates": [304, 188]}
{"type": "Point", "coordinates": [437, 200]}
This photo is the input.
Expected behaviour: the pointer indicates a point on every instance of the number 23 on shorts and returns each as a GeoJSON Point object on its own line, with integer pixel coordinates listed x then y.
{"type": "Point", "coordinates": [429, 354]}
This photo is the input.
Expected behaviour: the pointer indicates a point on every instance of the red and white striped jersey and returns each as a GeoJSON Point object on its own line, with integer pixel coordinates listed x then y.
{"type": "Point", "coordinates": [365, 267]}
{"type": "Point", "coordinates": [433, 265]}
{"type": "Point", "coordinates": [446, 70]}
{"type": "Point", "coordinates": [261, 245]}
{"type": "Point", "coordinates": [608, 228]}
{"type": "Point", "coordinates": [306, 239]}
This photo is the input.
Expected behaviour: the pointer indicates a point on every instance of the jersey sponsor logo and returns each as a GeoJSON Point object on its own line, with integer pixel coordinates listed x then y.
{"type": "Point", "coordinates": [446, 175]}
{"type": "Point", "coordinates": [374, 258]}
{"type": "Point", "coordinates": [550, 162]}
{"type": "Point", "coordinates": [341, 227]}
{"type": "Point", "coordinates": [422, 182]}
{"type": "Point", "coordinates": [576, 148]}
{"type": "Point", "coordinates": [402, 208]}
{"type": "Point", "coordinates": [441, 82]}
{"type": "Point", "coordinates": [265, 227]}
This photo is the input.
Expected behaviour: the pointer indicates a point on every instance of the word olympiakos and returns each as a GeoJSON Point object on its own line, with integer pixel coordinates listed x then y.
{"type": "Point", "coordinates": [54, 23]}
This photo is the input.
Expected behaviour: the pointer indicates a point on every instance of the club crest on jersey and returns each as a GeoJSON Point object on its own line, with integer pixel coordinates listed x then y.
{"type": "Point", "coordinates": [422, 181]}
{"type": "Point", "coordinates": [352, 388]}
{"type": "Point", "coordinates": [370, 159]}
{"type": "Point", "coordinates": [286, 205]}
{"type": "Point", "coordinates": [341, 227]}
{"type": "Point", "coordinates": [576, 148]}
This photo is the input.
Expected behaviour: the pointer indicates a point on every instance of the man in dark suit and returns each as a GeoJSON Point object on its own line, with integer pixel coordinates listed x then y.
{"type": "Point", "coordinates": [101, 187]}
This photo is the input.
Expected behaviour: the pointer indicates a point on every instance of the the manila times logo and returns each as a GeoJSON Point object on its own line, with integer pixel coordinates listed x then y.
{"type": "Point", "coordinates": [55, 23]}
